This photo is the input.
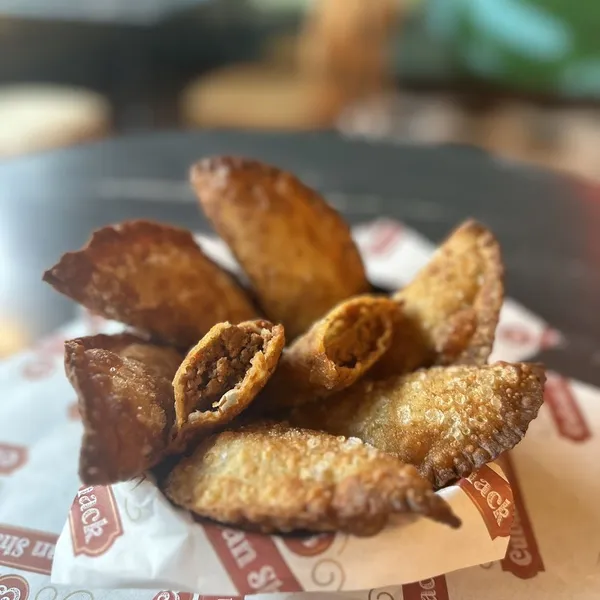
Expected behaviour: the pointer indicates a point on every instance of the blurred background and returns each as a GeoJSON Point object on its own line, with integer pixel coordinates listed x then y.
{"type": "Point", "coordinates": [519, 77]}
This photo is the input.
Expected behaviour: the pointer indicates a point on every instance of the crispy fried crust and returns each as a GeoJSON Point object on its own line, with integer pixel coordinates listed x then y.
{"type": "Point", "coordinates": [296, 250]}
{"type": "Point", "coordinates": [275, 478]}
{"type": "Point", "coordinates": [452, 306]}
{"type": "Point", "coordinates": [154, 278]}
{"type": "Point", "coordinates": [223, 373]}
{"type": "Point", "coordinates": [126, 403]}
{"type": "Point", "coordinates": [333, 354]}
{"type": "Point", "coordinates": [447, 421]}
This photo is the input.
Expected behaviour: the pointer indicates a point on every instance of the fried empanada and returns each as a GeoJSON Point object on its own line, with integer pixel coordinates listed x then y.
{"type": "Point", "coordinates": [154, 278]}
{"type": "Point", "coordinates": [447, 421]}
{"type": "Point", "coordinates": [274, 478]}
{"type": "Point", "coordinates": [452, 307]}
{"type": "Point", "coordinates": [295, 248]}
{"type": "Point", "coordinates": [223, 373]}
{"type": "Point", "coordinates": [126, 404]}
{"type": "Point", "coordinates": [333, 354]}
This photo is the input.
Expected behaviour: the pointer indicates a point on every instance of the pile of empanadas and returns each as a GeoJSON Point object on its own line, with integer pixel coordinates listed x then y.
{"type": "Point", "coordinates": [308, 402]}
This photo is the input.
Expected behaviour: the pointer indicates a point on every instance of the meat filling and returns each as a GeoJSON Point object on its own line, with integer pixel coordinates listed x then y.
{"type": "Point", "coordinates": [352, 339]}
{"type": "Point", "coordinates": [223, 367]}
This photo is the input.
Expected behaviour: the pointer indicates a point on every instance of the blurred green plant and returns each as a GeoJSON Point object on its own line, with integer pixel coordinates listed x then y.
{"type": "Point", "coordinates": [550, 46]}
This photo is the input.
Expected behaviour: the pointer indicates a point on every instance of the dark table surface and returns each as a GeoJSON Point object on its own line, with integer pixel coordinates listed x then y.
{"type": "Point", "coordinates": [548, 225]}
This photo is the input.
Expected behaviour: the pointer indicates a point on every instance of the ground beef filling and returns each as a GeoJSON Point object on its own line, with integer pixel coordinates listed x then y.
{"type": "Point", "coordinates": [353, 338]}
{"type": "Point", "coordinates": [224, 365]}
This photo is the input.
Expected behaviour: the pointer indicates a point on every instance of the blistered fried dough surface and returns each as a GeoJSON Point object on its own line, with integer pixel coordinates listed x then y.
{"type": "Point", "coordinates": [333, 354]}
{"type": "Point", "coordinates": [154, 278]}
{"type": "Point", "coordinates": [224, 372]}
{"type": "Point", "coordinates": [447, 421]}
{"type": "Point", "coordinates": [452, 306]}
{"type": "Point", "coordinates": [126, 403]}
{"type": "Point", "coordinates": [275, 478]}
{"type": "Point", "coordinates": [296, 250]}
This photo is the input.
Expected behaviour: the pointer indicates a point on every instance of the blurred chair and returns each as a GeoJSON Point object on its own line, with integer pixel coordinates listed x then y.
{"type": "Point", "coordinates": [262, 97]}
{"type": "Point", "coordinates": [41, 116]}
{"type": "Point", "coordinates": [341, 53]}
{"type": "Point", "coordinates": [349, 41]}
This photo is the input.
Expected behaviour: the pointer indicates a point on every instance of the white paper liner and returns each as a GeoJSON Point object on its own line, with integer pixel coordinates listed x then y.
{"type": "Point", "coordinates": [185, 555]}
